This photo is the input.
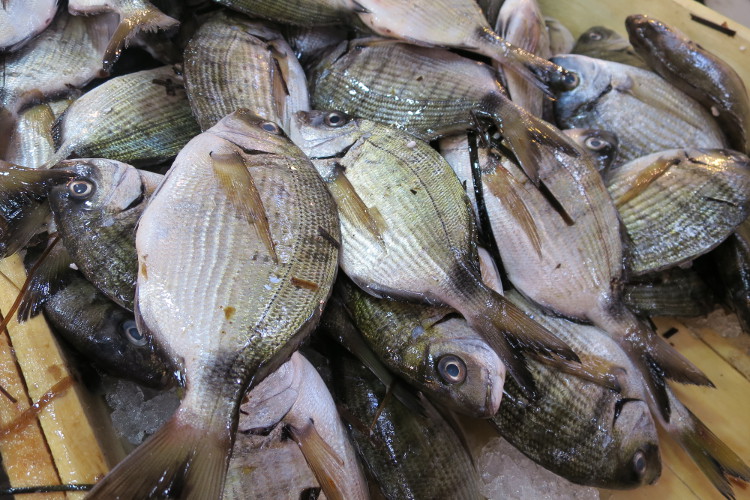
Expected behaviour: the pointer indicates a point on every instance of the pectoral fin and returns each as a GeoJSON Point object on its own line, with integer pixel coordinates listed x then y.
{"type": "Point", "coordinates": [237, 183]}
{"type": "Point", "coordinates": [325, 464]}
{"type": "Point", "coordinates": [352, 207]}
{"type": "Point", "coordinates": [645, 178]}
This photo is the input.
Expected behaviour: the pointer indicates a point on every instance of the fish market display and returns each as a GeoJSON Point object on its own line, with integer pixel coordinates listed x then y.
{"type": "Point", "coordinates": [257, 302]}
{"type": "Point", "coordinates": [203, 192]}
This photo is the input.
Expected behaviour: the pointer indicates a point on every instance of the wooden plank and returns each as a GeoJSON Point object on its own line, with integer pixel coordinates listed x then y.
{"type": "Point", "coordinates": [75, 449]}
{"type": "Point", "coordinates": [580, 15]}
{"type": "Point", "coordinates": [734, 350]}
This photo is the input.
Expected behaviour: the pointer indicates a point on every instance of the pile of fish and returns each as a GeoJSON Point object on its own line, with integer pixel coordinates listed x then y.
{"type": "Point", "coordinates": [368, 221]}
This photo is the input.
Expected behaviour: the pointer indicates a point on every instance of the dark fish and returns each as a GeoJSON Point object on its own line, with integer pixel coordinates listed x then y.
{"type": "Point", "coordinates": [604, 43]}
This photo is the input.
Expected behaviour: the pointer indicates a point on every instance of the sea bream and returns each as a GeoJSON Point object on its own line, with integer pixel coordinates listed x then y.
{"type": "Point", "coordinates": [237, 253]}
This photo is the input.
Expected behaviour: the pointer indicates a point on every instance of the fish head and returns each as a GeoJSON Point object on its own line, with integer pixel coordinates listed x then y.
{"type": "Point", "coordinates": [636, 461]}
{"type": "Point", "coordinates": [648, 35]}
{"type": "Point", "coordinates": [590, 80]}
{"type": "Point", "coordinates": [325, 134]}
{"type": "Point", "coordinates": [254, 134]}
{"type": "Point", "coordinates": [100, 185]}
{"type": "Point", "coordinates": [600, 144]}
{"type": "Point", "coordinates": [599, 39]}
{"type": "Point", "coordinates": [464, 372]}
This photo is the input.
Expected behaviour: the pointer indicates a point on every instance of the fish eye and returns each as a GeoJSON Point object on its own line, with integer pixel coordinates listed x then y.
{"type": "Point", "coordinates": [639, 463]}
{"type": "Point", "coordinates": [595, 143]}
{"type": "Point", "coordinates": [81, 189]}
{"type": "Point", "coordinates": [131, 332]}
{"type": "Point", "coordinates": [452, 369]}
{"type": "Point", "coordinates": [570, 80]}
{"type": "Point", "coordinates": [595, 36]}
{"type": "Point", "coordinates": [270, 127]}
{"type": "Point", "coordinates": [336, 119]}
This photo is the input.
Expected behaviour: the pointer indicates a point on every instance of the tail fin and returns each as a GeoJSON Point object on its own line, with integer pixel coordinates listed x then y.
{"type": "Point", "coordinates": [326, 465]}
{"type": "Point", "coordinates": [178, 461]}
{"type": "Point", "coordinates": [710, 454]}
{"type": "Point", "coordinates": [508, 330]}
{"type": "Point", "coordinates": [148, 18]}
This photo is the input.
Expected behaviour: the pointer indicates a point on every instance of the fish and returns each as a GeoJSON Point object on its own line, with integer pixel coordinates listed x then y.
{"type": "Point", "coordinates": [601, 42]}
{"type": "Point", "coordinates": [63, 58]}
{"type": "Point", "coordinates": [141, 118]}
{"type": "Point", "coordinates": [311, 43]}
{"type": "Point", "coordinates": [601, 145]}
{"type": "Point", "coordinates": [232, 63]}
{"type": "Point", "coordinates": [246, 191]}
{"type": "Point", "coordinates": [31, 144]}
{"type": "Point", "coordinates": [409, 455]}
{"type": "Point", "coordinates": [731, 265]}
{"type": "Point", "coordinates": [647, 114]}
{"type": "Point", "coordinates": [96, 213]}
{"type": "Point", "coordinates": [23, 207]}
{"type": "Point", "coordinates": [674, 292]}
{"type": "Point", "coordinates": [22, 20]}
{"type": "Point", "coordinates": [295, 399]}
{"type": "Point", "coordinates": [433, 349]}
{"type": "Point", "coordinates": [602, 437]}
{"type": "Point", "coordinates": [700, 74]}
{"type": "Point", "coordinates": [447, 23]}
{"type": "Point", "coordinates": [561, 246]}
{"type": "Point", "coordinates": [408, 232]}
{"type": "Point", "coordinates": [135, 16]}
{"type": "Point", "coordinates": [679, 204]}
{"type": "Point", "coordinates": [105, 333]}
{"type": "Point", "coordinates": [521, 23]}
{"type": "Point", "coordinates": [561, 40]}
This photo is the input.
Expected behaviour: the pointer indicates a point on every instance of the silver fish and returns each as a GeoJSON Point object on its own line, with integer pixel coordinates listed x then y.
{"type": "Point", "coordinates": [22, 20]}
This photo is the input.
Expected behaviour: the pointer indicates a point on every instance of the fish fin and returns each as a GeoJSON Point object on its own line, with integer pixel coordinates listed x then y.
{"type": "Point", "coordinates": [351, 205]}
{"type": "Point", "coordinates": [238, 184]}
{"type": "Point", "coordinates": [533, 141]}
{"type": "Point", "coordinates": [644, 179]}
{"type": "Point", "coordinates": [178, 461]}
{"type": "Point", "coordinates": [279, 77]}
{"type": "Point", "coordinates": [712, 456]}
{"type": "Point", "coordinates": [149, 18]}
{"type": "Point", "coordinates": [325, 464]}
{"type": "Point", "coordinates": [509, 331]}
{"type": "Point", "coordinates": [23, 192]}
{"type": "Point", "coordinates": [592, 369]}
{"type": "Point", "coordinates": [674, 365]}
{"type": "Point", "coordinates": [505, 188]}
{"type": "Point", "coordinates": [47, 276]}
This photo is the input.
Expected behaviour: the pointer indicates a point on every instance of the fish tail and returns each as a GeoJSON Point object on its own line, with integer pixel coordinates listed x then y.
{"type": "Point", "coordinates": [712, 456]}
{"type": "Point", "coordinates": [509, 331]}
{"type": "Point", "coordinates": [149, 18]}
{"type": "Point", "coordinates": [180, 460]}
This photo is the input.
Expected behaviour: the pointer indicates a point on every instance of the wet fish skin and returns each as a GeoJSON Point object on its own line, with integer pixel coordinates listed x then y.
{"type": "Point", "coordinates": [96, 214]}
{"type": "Point", "coordinates": [22, 20]}
{"type": "Point", "coordinates": [258, 299]}
{"type": "Point", "coordinates": [141, 118]}
{"type": "Point", "coordinates": [232, 63]}
{"type": "Point", "coordinates": [697, 72]}
{"type": "Point", "coordinates": [408, 231]}
{"type": "Point", "coordinates": [561, 41]}
{"type": "Point", "coordinates": [31, 143]}
{"type": "Point", "coordinates": [603, 43]}
{"type": "Point", "coordinates": [601, 438]}
{"type": "Point", "coordinates": [295, 12]}
{"type": "Point", "coordinates": [675, 292]}
{"type": "Point", "coordinates": [417, 343]}
{"type": "Point", "coordinates": [296, 398]}
{"type": "Point", "coordinates": [431, 460]}
{"type": "Point", "coordinates": [646, 113]}
{"type": "Point", "coordinates": [679, 204]}
{"type": "Point", "coordinates": [731, 261]}
{"type": "Point", "coordinates": [106, 334]}
{"type": "Point", "coordinates": [312, 43]}
{"type": "Point", "coordinates": [600, 144]}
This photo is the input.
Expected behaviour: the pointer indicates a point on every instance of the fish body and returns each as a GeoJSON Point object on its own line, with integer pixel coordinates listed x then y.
{"type": "Point", "coordinates": [561, 40]}
{"type": "Point", "coordinates": [135, 16]}
{"type": "Point", "coordinates": [732, 262]}
{"type": "Point", "coordinates": [31, 143]}
{"type": "Point", "coordinates": [233, 215]}
{"type": "Point", "coordinates": [295, 12]}
{"type": "Point", "coordinates": [603, 43]}
{"type": "Point", "coordinates": [646, 113]}
{"type": "Point", "coordinates": [22, 20]}
{"type": "Point", "coordinates": [410, 456]}
{"type": "Point", "coordinates": [96, 214]}
{"type": "Point", "coordinates": [674, 292]}
{"type": "Point", "coordinates": [141, 118]}
{"type": "Point", "coordinates": [233, 63]}
{"type": "Point", "coordinates": [679, 204]}
{"type": "Point", "coordinates": [408, 231]}
{"type": "Point", "coordinates": [700, 74]}
{"type": "Point", "coordinates": [432, 349]}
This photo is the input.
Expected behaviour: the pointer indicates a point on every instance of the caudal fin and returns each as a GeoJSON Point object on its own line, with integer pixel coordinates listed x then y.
{"type": "Point", "coordinates": [149, 18]}
{"type": "Point", "coordinates": [510, 332]}
{"type": "Point", "coordinates": [710, 454]}
{"type": "Point", "coordinates": [178, 461]}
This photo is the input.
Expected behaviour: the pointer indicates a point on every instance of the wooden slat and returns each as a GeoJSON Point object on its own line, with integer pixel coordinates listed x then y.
{"type": "Point", "coordinates": [75, 450]}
